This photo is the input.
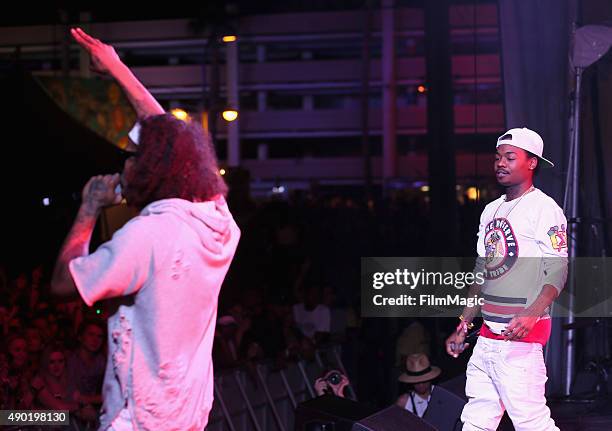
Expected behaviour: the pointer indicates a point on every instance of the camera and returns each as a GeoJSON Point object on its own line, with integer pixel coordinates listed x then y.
{"type": "Point", "coordinates": [334, 378]}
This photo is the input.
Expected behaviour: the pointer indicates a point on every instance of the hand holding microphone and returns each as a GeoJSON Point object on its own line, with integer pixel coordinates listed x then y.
{"type": "Point", "coordinates": [101, 191]}
{"type": "Point", "coordinates": [455, 343]}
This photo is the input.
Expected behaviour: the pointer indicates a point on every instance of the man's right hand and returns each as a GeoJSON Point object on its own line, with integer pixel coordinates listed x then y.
{"type": "Point", "coordinates": [100, 192]}
{"type": "Point", "coordinates": [104, 58]}
{"type": "Point", "coordinates": [455, 344]}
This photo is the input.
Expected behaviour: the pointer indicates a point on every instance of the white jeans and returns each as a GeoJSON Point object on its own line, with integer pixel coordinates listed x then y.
{"type": "Point", "coordinates": [506, 375]}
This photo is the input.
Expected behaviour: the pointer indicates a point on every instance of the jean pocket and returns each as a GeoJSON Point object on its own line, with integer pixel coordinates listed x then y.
{"type": "Point", "coordinates": [524, 369]}
{"type": "Point", "coordinates": [515, 361]}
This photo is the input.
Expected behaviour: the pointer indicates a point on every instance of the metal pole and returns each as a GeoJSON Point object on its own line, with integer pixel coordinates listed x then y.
{"type": "Point", "coordinates": [574, 174]}
{"type": "Point", "coordinates": [351, 392]}
{"type": "Point", "coordinates": [84, 63]}
{"type": "Point", "coordinates": [65, 43]}
{"type": "Point", "coordinates": [441, 160]}
{"type": "Point", "coordinates": [365, 97]}
{"type": "Point", "coordinates": [305, 378]}
{"type": "Point", "coordinates": [264, 384]}
{"type": "Point", "coordinates": [288, 388]}
{"type": "Point", "coordinates": [233, 133]}
{"type": "Point", "coordinates": [246, 400]}
{"type": "Point", "coordinates": [219, 398]}
{"type": "Point", "coordinates": [389, 92]}
{"type": "Point", "coordinates": [213, 94]}
{"type": "Point", "coordinates": [319, 360]}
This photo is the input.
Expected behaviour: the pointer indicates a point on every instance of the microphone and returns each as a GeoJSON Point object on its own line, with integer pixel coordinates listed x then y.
{"type": "Point", "coordinates": [469, 338]}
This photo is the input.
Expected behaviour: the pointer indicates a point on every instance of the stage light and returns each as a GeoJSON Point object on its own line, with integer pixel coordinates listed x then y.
{"type": "Point", "coordinates": [230, 115]}
{"type": "Point", "coordinates": [279, 189]}
{"type": "Point", "coordinates": [425, 189]}
{"type": "Point", "coordinates": [421, 89]}
{"type": "Point", "coordinates": [46, 202]}
{"type": "Point", "coordinates": [472, 193]}
{"type": "Point", "coordinates": [205, 121]}
{"type": "Point", "coordinates": [222, 171]}
{"type": "Point", "coordinates": [229, 38]}
{"type": "Point", "coordinates": [181, 114]}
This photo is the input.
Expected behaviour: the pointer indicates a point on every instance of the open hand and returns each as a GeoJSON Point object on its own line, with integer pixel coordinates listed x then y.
{"type": "Point", "coordinates": [103, 57]}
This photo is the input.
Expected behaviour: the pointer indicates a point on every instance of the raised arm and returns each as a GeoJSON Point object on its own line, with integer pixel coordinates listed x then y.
{"type": "Point", "coordinates": [104, 59]}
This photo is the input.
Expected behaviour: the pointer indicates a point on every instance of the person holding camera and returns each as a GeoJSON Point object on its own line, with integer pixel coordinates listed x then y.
{"type": "Point", "coordinates": [332, 382]}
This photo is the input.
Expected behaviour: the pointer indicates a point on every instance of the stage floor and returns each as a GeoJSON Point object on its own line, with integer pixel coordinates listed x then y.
{"type": "Point", "coordinates": [582, 415]}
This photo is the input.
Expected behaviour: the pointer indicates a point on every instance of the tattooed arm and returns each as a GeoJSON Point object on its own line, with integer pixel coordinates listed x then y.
{"type": "Point", "coordinates": [97, 193]}
{"type": "Point", "coordinates": [105, 60]}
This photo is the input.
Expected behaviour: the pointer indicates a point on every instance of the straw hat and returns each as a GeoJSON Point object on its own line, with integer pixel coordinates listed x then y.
{"type": "Point", "coordinates": [418, 369]}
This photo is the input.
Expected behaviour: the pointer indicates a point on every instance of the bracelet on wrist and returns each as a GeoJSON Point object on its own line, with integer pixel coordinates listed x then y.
{"type": "Point", "coordinates": [469, 325]}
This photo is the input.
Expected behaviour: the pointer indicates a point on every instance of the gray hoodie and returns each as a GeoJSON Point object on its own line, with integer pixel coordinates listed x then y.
{"type": "Point", "coordinates": [170, 261]}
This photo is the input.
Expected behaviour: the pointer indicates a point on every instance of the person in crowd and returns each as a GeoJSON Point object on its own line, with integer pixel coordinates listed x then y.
{"type": "Point", "coordinates": [35, 345]}
{"type": "Point", "coordinates": [19, 374]}
{"type": "Point", "coordinates": [86, 364]}
{"type": "Point", "coordinates": [312, 317]}
{"type": "Point", "coordinates": [331, 382]}
{"type": "Point", "coordinates": [419, 374]}
{"type": "Point", "coordinates": [56, 391]}
{"type": "Point", "coordinates": [5, 391]}
{"type": "Point", "coordinates": [413, 339]}
{"type": "Point", "coordinates": [226, 346]}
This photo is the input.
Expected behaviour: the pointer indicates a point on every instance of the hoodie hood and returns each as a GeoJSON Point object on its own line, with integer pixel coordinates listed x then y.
{"type": "Point", "coordinates": [211, 220]}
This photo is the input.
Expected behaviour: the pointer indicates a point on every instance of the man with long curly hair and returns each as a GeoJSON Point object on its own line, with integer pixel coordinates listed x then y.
{"type": "Point", "coordinates": [167, 265]}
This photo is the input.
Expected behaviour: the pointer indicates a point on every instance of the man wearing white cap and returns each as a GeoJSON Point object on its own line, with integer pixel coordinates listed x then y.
{"type": "Point", "coordinates": [507, 370]}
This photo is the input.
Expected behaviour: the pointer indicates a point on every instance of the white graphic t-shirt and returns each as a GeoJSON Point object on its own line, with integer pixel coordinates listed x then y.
{"type": "Point", "coordinates": [522, 245]}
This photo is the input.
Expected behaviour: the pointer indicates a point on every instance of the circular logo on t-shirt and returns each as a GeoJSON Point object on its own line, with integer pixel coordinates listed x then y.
{"type": "Point", "coordinates": [501, 248]}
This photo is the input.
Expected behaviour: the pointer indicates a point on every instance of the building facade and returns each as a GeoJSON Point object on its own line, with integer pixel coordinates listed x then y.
{"type": "Point", "coordinates": [298, 81]}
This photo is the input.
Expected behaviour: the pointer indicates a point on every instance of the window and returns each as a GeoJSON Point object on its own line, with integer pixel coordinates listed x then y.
{"type": "Point", "coordinates": [470, 94]}
{"type": "Point", "coordinates": [470, 43]}
{"type": "Point", "coordinates": [281, 100]}
{"type": "Point", "coordinates": [410, 46]}
{"type": "Point", "coordinates": [248, 100]}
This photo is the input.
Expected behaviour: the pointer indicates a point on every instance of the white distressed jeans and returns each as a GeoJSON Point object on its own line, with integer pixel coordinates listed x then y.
{"type": "Point", "coordinates": [506, 375]}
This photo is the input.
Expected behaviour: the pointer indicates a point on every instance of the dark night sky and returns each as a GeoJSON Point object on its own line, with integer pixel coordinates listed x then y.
{"type": "Point", "coordinates": [47, 12]}
{"type": "Point", "coordinates": [23, 13]}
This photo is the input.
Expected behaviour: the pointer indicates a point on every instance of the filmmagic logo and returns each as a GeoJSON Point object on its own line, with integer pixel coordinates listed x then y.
{"type": "Point", "coordinates": [413, 279]}
{"type": "Point", "coordinates": [428, 300]}
{"type": "Point", "coordinates": [420, 286]}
